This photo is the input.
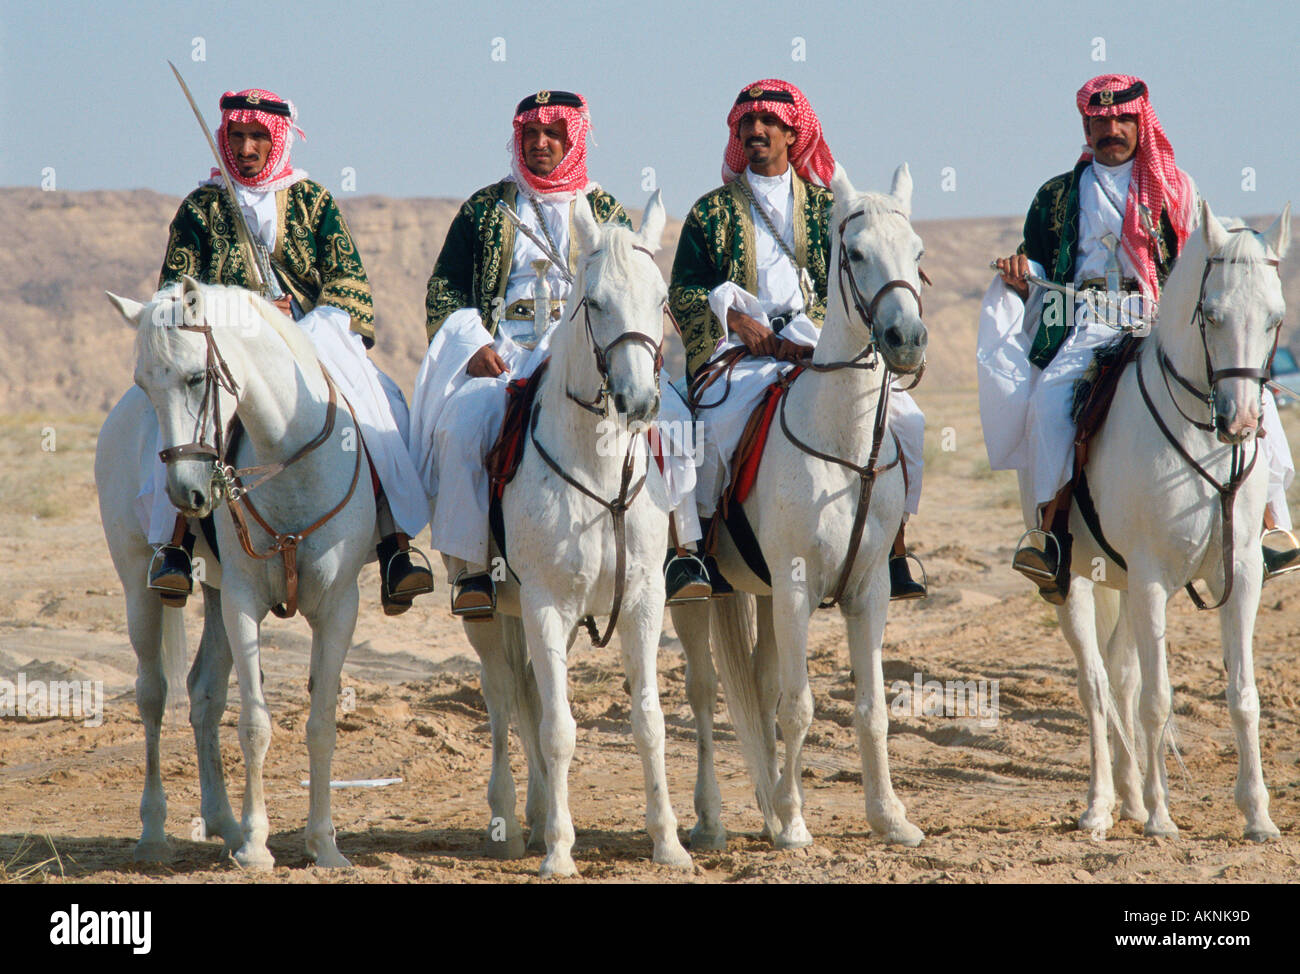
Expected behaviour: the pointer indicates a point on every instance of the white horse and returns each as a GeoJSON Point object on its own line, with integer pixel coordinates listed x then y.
{"type": "Point", "coordinates": [1219, 312]}
{"type": "Point", "coordinates": [802, 509]}
{"type": "Point", "coordinates": [204, 352]}
{"type": "Point", "coordinates": [562, 543]}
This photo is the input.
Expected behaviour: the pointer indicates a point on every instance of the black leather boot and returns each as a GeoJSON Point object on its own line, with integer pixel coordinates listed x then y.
{"type": "Point", "coordinates": [685, 579]}
{"type": "Point", "coordinates": [901, 584]}
{"type": "Point", "coordinates": [400, 581]}
{"type": "Point", "coordinates": [473, 596]}
{"type": "Point", "coordinates": [170, 572]}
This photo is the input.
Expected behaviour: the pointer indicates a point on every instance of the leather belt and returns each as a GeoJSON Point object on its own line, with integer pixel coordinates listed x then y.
{"type": "Point", "coordinates": [525, 309]}
{"type": "Point", "coordinates": [1099, 284]}
{"type": "Point", "coordinates": [780, 321]}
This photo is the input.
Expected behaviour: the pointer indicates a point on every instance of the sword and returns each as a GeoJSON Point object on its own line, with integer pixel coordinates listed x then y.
{"type": "Point", "coordinates": [542, 245]}
{"type": "Point", "coordinates": [259, 264]}
{"type": "Point", "coordinates": [1089, 297]}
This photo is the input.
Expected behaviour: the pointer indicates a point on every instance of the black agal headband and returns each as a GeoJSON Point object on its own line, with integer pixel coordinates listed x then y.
{"type": "Point", "coordinates": [764, 94]}
{"type": "Point", "coordinates": [1105, 98]}
{"type": "Point", "coordinates": [255, 103]}
{"type": "Point", "coordinates": [567, 99]}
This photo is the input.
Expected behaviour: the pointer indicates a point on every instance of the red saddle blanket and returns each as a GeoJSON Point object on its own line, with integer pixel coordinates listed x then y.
{"type": "Point", "coordinates": [749, 450]}
{"type": "Point", "coordinates": [506, 453]}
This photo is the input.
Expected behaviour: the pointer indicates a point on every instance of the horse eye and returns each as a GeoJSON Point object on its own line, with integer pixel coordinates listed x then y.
{"type": "Point", "coordinates": [593, 305]}
{"type": "Point", "coordinates": [857, 256]}
{"type": "Point", "coordinates": [919, 256]}
{"type": "Point", "coordinates": [195, 380]}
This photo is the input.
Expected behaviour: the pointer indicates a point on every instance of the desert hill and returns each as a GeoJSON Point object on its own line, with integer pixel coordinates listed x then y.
{"type": "Point", "coordinates": [65, 350]}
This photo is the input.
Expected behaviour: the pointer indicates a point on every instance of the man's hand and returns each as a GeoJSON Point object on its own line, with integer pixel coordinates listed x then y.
{"type": "Point", "coordinates": [759, 339]}
{"type": "Point", "coordinates": [284, 303]}
{"type": "Point", "coordinates": [486, 364]}
{"type": "Point", "coordinates": [1014, 269]}
{"type": "Point", "coordinates": [793, 351]}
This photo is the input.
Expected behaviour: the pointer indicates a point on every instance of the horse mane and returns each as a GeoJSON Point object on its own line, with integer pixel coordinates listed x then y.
{"type": "Point", "coordinates": [157, 340]}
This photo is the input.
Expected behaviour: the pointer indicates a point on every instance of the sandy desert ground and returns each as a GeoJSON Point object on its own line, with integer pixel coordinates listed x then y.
{"type": "Point", "coordinates": [997, 804]}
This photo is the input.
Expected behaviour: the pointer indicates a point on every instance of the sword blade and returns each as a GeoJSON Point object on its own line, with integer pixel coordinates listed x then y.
{"type": "Point", "coordinates": [264, 282]}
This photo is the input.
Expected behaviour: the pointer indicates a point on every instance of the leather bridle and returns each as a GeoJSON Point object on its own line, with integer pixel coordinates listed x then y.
{"type": "Point", "coordinates": [1239, 469]}
{"type": "Point", "coordinates": [228, 481]}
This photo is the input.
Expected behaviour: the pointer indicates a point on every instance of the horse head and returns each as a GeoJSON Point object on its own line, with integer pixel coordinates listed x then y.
{"type": "Point", "coordinates": [875, 267]}
{"type": "Point", "coordinates": [192, 389]}
{"type": "Point", "coordinates": [623, 294]}
{"type": "Point", "coordinates": [1240, 309]}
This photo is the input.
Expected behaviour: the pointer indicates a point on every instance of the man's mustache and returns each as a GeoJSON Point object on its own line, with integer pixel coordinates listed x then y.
{"type": "Point", "coordinates": [1110, 140]}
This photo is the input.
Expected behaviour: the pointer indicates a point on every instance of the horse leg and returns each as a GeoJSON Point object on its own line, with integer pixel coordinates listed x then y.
{"type": "Point", "coordinates": [1078, 620]}
{"type": "Point", "coordinates": [505, 840]}
{"type": "Point", "coordinates": [547, 632]}
{"type": "Point", "coordinates": [144, 613]}
{"type": "Point", "coordinates": [331, 635]}
{"type": "Point", "coordinates": [1147, 615]}
{"type": "Point", "coordinates": [638, 636]}
{"type": "Point", "coordinates": [691, 620]}
{"type": "Point", "coordinates": [1237, 627]}
{"type": "Point", "coordinates": [865, 629]}
{"type": "Point", "coordinates": [794, 713]}
{"type": "Point", "coordinates": [1125, 682]}
{"type": "Point", "coordinates": [254, 728]}
{"type": "Point", "coordinates": [208, 683]}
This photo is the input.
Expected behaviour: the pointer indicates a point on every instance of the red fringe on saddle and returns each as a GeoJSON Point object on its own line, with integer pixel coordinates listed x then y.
{"type": "Point", "coordinates": [749, 450]}
{"type": "Point", "coordinates": [503, 459]}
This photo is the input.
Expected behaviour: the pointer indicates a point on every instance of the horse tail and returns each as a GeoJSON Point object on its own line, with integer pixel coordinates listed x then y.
{"type": "Point", "coordinates": [175, 664]}
{"type": "Point", "coordinates": [732, 625]}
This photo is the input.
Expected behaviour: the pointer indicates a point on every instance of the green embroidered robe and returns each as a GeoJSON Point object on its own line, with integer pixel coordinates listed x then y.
{"type": "Point", "coordinates": [717, 244]}
{"type": "Point", "coordinates": [317, 259]}
{"type": "Point", "coordinates": [1051, 237]}
{"type": "Point", "coordinates": [473, 267]}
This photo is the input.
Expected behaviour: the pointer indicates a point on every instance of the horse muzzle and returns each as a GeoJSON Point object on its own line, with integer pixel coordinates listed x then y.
{"type": "Point", "coordinates": [189, 487]}
{"type": "Point", "coordinates": [903, 346]}
{"type": "Point", "coordinates": [1234, 421]}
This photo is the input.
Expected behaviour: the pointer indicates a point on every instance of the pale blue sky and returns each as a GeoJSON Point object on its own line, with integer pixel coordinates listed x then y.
{"type": "Point", "coordinates": [409, 95]}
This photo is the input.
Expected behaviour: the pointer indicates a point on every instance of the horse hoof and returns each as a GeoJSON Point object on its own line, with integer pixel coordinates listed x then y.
{"type": "Point", "coordinates": [333, 859]}
{"type": "Point", "coordinates": [1160, 828]}
{"type": "Point", "coordinates": [796, 836]}
{"type": "Point", "coordinates": [708, 839]}
{"type": "Point", "coordinates": [1133, 813]}
{"type": "Point", "coordinates": [156, 850]}
{"type": "Point", "coordinates": [255, 859]}
{"type": "Point", "coordinates": [1263, 833]}
{"type": "Point", "coordinates": [511, 848]}
{"type": "Point", "coordinates": [557, 866]}
{"type": "Point", "coordinates": [1094, 820]}
{"type": "Point", "coordinates": [673, 856]}
{"type": "Point", "coordinates": [905, 834]}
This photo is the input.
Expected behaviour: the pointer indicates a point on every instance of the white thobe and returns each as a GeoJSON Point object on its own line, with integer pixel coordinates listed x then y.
{"type": "Point", "coordinates": [456, 418]}
{"type": "Point", "coordinates": [376, 399]}
{"type": "Point", "coordinates": [1026, 411]}
{"type": "Point", "coordinates": [778, 294]}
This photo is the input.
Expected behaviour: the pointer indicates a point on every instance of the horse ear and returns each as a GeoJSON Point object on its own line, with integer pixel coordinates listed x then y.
{"type": "Point", "coordinates": [128, 309]}
{"type": "Point", "coordinates": [1211, 229]}
{"type": "Point", "coordinates": [653, 221]}
{"type": "Point", "coordinates": [902, 188]}
{"type": "Point", "coordinates": [584, 225]}
{"type": "Point", "coordinates": [192, 300]}
{"type": "Point", "coordinates": [1278, 236]}
{"type": "Point", "coordinates": [841, 186]}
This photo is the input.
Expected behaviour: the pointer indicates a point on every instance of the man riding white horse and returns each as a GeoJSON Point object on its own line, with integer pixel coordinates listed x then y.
{"type": "Point", "coordinates": [1115, 223]}
{"type": "Point", "coordinates": [483, 332]}
{"type": "Point", "coordinates": [325, 289]}
{"type": "Point", "coordinates": [750, 271]}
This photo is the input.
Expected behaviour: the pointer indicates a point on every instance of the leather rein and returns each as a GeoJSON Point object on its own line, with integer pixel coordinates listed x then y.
{"type": "Point", "coordinates": [1238, 469]}
{"type": "Point", "coordinates": [627, 492]}
{"type": "Point", "coordinates": [230, 482]}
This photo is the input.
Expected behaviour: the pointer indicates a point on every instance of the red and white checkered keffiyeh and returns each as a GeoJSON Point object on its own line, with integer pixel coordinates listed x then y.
{"type": "Point", "coordinates": [569, 177]}
{"type": "Point", "coordinates": [810, 155]}
{"type": "Point", "coordinates": [1156, 184]}
{"type": "Point", "coordinates": [278, 171]}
